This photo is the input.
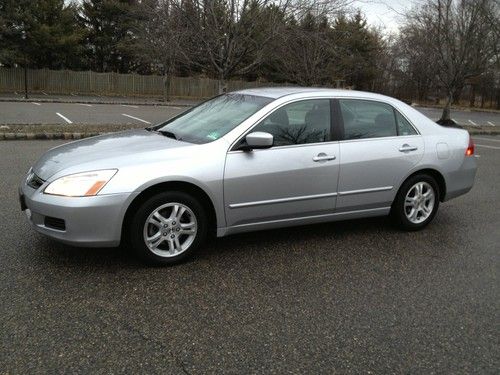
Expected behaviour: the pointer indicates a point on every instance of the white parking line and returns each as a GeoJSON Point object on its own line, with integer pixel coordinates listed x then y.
{"type": "Point", "coordinates": [136, 118]}
{"type": "Point", "coordinates": [64, 118]}
{"type": "Point", "coordinates": [128, 105]}
{"type": "Point", "coordinates": [493, 147]}
{"type": "Point", "coordinates": [35, 103]}
{"type": "Point", "coordinates": [490, 123]}
{"type": "Point", "coordinates": [86, 105]}
{"type": "Point", "coordinates": [473, 123]}
{"type": "Point", "coordinates": [486, 139]}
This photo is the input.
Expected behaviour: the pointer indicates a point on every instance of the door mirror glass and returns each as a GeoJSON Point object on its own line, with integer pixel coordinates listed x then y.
{"type": "Point", "coordinates": [256, 140]}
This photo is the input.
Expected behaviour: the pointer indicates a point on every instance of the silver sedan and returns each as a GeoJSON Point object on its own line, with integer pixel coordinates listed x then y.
{"type": "Point", "coordinates": [249, 160]}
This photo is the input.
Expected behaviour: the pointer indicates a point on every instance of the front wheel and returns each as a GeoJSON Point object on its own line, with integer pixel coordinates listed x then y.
{"type": "Point", "coordinates": [168, 227]}
{"type": "Point", "coordinates": [416, 203]}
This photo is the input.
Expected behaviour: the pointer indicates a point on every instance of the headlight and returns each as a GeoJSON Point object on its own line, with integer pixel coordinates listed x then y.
{"type": "Point", "coordinates": [81, 184]}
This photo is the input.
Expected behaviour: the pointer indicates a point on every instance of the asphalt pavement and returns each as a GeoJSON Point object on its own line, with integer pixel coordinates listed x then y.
{"type": "Point", "coordinates": [84, 113]}
{"type": "Point", "coordinates": [89, 112]}
{"type": "Point", "coordinates": [465, 117]}
{"type": "Point", "coordinates": [349, 297]}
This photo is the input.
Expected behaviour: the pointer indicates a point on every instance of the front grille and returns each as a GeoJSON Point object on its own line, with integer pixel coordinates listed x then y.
{"type": "Point", "coordinates": [34, 181]}
{"type": "Point", "coordinates": [55, 223]}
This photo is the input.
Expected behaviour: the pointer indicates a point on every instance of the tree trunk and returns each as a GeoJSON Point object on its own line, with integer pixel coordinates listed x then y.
{"type": "Point", "coordinates": [446, 116]}
{"type": "Point", "coordinates": [472, 100]}
{"type": "Point", "coordinates": [25, 79]}
{"type": "Point", "coordinates": [166, 87]}
{"type": "Point", "coordinates": [222, 82]}
{"type": "Point", "coordinates": [456, 95]}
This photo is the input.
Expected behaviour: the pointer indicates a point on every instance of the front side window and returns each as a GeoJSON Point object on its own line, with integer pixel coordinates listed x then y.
{"type": "Point", "coordinates": [214, 118]}
{"type": "Point", "coordinates": [306, 121]}
{"type": "Point", "coordinates": [367, 119]}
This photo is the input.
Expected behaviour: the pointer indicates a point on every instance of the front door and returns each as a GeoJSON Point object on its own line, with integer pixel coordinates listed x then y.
{"type": "Point", "coordinates": [297, 177]}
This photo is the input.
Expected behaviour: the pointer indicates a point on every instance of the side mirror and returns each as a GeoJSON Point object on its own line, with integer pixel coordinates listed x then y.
{"type": "Point", "coordinates": [257, 140]}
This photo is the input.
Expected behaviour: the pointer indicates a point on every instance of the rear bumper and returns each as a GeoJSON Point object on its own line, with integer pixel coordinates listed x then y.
{"type": "Point", "coordinates": [88, 221]}
{"type": "Point", "coordinates": [461, 181]}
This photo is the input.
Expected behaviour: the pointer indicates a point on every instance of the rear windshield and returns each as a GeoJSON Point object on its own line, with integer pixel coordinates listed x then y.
{"type": "Point", "coordinates": [214, 118]}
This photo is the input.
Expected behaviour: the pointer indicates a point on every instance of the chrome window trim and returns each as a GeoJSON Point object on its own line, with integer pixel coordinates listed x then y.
{"type": "Point", "coordinates": [378, 138]}
{"type": "Point", "coordinates": [284, 147]}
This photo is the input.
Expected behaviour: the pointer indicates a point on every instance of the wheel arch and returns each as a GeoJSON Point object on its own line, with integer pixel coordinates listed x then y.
{"type": "Point", "coordinates": [182, 186]}
{"type": "Point", "coordinates": [437, 175]}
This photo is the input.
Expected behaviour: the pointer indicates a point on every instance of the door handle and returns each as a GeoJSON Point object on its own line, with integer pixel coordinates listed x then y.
{"type": "Point", "coordinates": [407, 148]}
{"type": "Point", "coordinates": [324, 157]}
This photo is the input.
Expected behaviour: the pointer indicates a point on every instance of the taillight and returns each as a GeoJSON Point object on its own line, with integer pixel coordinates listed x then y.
{"type": "Point", "coordinates": [470, 148]}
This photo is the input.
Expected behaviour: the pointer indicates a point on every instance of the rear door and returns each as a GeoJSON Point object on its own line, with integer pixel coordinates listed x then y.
{"type": "Point", "coordinates": [378, 148]}
{"type": "Point", "coordinates": [297, 177]}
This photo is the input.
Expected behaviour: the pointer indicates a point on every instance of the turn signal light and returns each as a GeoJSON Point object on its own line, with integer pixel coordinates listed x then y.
{"type": "Point", "coordinates": [470, 148]}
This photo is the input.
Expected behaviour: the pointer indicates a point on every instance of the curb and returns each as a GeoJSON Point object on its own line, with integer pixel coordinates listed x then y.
{"type": "Point", "coordinates": [150, 104]}
{"type": "Point", "coordinates": [68, 136]}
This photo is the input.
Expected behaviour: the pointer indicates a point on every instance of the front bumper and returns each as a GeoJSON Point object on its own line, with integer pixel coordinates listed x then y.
{"type": "Point", "coordinates": [88, 221]}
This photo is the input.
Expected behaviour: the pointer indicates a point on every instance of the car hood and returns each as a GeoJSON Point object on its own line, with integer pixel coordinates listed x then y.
{"type": "Point", "coordinates": [96, 149]}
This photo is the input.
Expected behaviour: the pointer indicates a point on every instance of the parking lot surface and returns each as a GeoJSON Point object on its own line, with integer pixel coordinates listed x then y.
{"type": "Point", "coordinates": [84, 113]}
{"type": "Point", "coordinates": [351, 297]}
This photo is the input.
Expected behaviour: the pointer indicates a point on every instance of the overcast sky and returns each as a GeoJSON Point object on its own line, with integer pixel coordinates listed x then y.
{"type": "Point", "coordinates": [385, 13]}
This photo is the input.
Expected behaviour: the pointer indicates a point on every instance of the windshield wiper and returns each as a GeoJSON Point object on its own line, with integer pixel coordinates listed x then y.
{"type": "Point", "coordinates": [168, 134]}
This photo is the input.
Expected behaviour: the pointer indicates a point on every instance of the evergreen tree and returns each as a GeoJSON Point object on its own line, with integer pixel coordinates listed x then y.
{"type": "Point", "coordinates": [41, 34]}
{"type": "Point", "coordinates": [111, 37]}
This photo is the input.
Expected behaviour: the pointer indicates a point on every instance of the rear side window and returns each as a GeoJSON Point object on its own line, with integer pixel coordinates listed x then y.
{"type": "Point", "coordinates": [404, 127]}
{"type": "Point", "coordinates": [367, 119]}
{"type": "Point", "coordinates": [306, 121]}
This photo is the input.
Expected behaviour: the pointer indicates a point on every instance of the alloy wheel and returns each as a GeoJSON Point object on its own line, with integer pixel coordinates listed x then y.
{"type": "Point", "coordinates": [419, 202]}
{"type": "Point", "coordinates": [170, 229]}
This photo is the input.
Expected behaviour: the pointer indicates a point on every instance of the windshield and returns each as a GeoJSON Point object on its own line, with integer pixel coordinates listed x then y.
{"type": "Point", "coordinates": [212, 119]}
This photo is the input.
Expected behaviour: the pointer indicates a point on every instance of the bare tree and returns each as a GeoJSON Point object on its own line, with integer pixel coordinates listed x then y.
{"type": "Point", "coordinates": [305, 45]}
{"type": "Point", "coordinates": [161, 38]}
{"type": "Point", "coordinates": [231, 36]}
{"type": "Point", "coordinates": [459, 39]}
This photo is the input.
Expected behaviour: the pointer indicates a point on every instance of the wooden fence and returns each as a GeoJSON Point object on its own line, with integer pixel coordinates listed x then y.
{"type": "Point", "coordinates": [92, 83]}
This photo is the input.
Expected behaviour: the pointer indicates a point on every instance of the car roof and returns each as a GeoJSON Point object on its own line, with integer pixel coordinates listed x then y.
{"type": "Point", "coordinates": [278, 92]}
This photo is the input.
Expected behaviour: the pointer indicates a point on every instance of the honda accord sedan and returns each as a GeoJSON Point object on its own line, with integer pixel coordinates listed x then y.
{"type": "Point", "coordinates": [245, 161]}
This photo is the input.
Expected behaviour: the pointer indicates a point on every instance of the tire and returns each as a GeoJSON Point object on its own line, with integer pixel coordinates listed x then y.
{"type": "Point", "coordinates": [421, 207]}
{"type": "Point", "coordinates": [171, 240]}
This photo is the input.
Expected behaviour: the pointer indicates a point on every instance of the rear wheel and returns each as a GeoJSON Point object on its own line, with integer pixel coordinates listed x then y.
{"type": "Point", "coordinates": [168, 227]}
{"type": "Point", "coordinates": [416, 203]}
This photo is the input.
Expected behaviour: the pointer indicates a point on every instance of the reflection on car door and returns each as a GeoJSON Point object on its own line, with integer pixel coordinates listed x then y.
{"type": "Point", "coordinates": [295, 178]}
{"type": "Point", "coordinates": [376, 153]}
